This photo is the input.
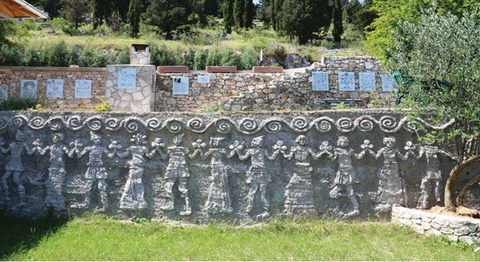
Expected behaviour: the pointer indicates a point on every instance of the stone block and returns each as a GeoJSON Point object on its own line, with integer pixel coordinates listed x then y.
{"type": "Point", "coordinates": [172, 69]}
{"type": "Point", "coordinates": [267, 69]}
{"type": "Point", "coordinates": [221, 69]}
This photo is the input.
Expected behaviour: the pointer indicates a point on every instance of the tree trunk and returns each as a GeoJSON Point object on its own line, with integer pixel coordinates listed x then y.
{"type": "Point", "coordinates": [462, 193]}
{"type": "Point", "coordinates": [450, 203]}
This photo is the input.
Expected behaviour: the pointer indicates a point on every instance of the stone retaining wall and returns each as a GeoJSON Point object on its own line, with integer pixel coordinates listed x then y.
{"type": "Point", "coordinates": [455, 228]}
{"type": "Point", "coordinates": [11, 77]}
{"type": "Point", "coordinates": [292, 89]}
{"type": "Point", "coordinates": [200, 167]}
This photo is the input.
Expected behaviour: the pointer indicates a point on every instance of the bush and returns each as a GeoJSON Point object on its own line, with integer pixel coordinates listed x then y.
{"type": "Point", "coordinates": [154, 53]}
{"type": "Point", "coordinates": [230, 58]}
{"type": "Point", "coordinates": [190, 58]}
{"type": "Point", "coordinates": [249, 58]}
{"type": "Point", "coordinates": [31, 57]}
{"type": "Point", "coordinates": [57, 55]}
{"type": "Point", "coordinates": [123, 57]}
{"type": "Point", "coordinates": [200, 60]}
{"type": "Point", "coordinates": [164, 56]}
{"type": "Point", "coordinates": [214, 57]}
{"type": "Point", "coordinates": [103, 107]}
{"type": "Point", "coordinates": [9, 56]}
{"type": "Point", "coordinates": [16, 103]}
{"type": "Point", "coordinates": [73, 54]}
{"type": "Point", "coordinates": [92, 57]}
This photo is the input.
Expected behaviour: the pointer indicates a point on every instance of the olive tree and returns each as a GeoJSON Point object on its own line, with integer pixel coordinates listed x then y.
{"type": "Point", "coordinates": [439, 58]}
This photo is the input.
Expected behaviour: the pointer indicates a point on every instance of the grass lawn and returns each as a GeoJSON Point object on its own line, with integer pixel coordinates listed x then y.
{"type": "Point", "coordinates": [102, 238]}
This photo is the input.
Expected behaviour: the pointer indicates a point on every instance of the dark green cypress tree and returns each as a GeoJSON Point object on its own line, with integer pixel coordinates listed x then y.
{"type": "Point", "coordinates": [337, 21]}
{"type": "Point", "coordinates": [169, 15]}
{"type": "Point", "coordinates": [211, 7]}
{"type": "Point", "coordinates": [238, 11]}
{"type": "Point", "coordinates": [133, 16]}
{"type": "Point", "coordinates": [248, 14]}
{"type": "Point", "coordinates": [228, 20]}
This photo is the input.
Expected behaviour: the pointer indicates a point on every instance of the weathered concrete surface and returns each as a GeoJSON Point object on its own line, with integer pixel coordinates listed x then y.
{"type": "Point", "coordinates": [206, 166]}
{"type": "Point", "coordinates": [455, 228]}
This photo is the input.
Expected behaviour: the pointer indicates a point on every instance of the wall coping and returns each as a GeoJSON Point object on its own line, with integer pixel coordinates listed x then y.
{"type": "Point", "coordinates": [52, 69]}
{"type": "Point", "coordinates": [401, 210]}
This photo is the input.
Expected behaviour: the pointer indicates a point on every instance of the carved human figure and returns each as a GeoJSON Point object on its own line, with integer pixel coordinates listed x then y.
{"type": "Point", "coordinates": [56, 171]}
{"type": "Point", "coordinates": [96, 173]}
{"type": "Point", "coordinates": [133, 193]}
{"type": "Point", "coordinates": [432, 180]}
{"type": "Point", "coordinates": [177, 174]}
{"type": "Point", "coordinates": [15, 165]}
{"type": "Point", "coordinates": [258, 175]}
{"type": "Point", "coordinates": [218, 200]}
{"type": "Point", "coordinates": [345, 178]}
{"type": "Point", "coordinates": [299, 196]}
{"type": "Point", "coordinates": [390, 186]}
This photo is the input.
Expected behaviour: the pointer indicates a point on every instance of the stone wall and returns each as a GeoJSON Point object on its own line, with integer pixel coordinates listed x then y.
{"type": "Point", "coordinates": [289, 90]}
{"type": "Point", "coordinates": [455, 228]}
{"type": "Point", "coordinates": [11, 76]}
{"type": "Point", "coordinates": [199, 167]}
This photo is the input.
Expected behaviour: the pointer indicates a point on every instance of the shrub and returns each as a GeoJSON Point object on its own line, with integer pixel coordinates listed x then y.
{"type": "Point", "coordinates": [200, 60]}
{"type": "Point", "coordinates": [73, 55]}
{"type": "Point", "coordinates": [123, 57]}
{"type": "Point", "coordinates": [103, 107]}
{"type": "Point", "coordinates": [154, 53]}
{"type": "Point", "coordinates": [92, 57]}
{"type": "Point", "coordinates": [249, 58]}
{"type": "Point", "coordinates": [57, 55]}
{"type": "Point", "coordinates": [214, 57]}
{"type": "Point", "coordinates": [9, 56]}
{"type": "Point", "coordinates": [230, 58]}
{"type": "Point", "coordinates": [31, 57]}
{"type": "Point", "coordinates": [190, 58]}
{"type": "Point", "coordinates": [16, 103]}
{"type": "Point", "coordinates": [164, 56]}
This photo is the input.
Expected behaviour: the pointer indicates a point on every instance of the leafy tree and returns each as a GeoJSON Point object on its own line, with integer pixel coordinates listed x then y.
{"type": "Point", "coordinates": [365, 16]}
{"type": "Point", "coordinates": [200, 60]}
{"type": "Point", "coordinates": [351, 9]}
{"type": "Point", "coordinates": [230, 58]}
{"type": "Point", "coordinates": [438, 56]}
{"type": "Point", "coordinates": [9, 56]}
{"type": "Point", "coordinates": [214, 57]}
{"type": "Point", "coordinates": [168, 16]}
{"type": "Point", "coordinates": [302, 19]}
{"type": "Point", "coordinates": [275, 10]}
{"type": "Point", "coordinates": [390, 13]}
{"type": "Point", "coordinates": [52, 7]}
{"type": "Point", "coordinates": [228, 20]}
{"type": "Point", "coordinates": [249, 58]}
{"type": "Point", "coordinates": [6, 29]}
{"type": "Point", "coordinates": [337, 21]}
{"type": "Point", "coordinates": [74, 10]}
{"type": "Point", "coordinates": [238, 11]}
{"type": "Point", "coordinates": [211, 7]}
{"type": "Point", "coordinates": [101, 10]}
{"type": "Point", "coordinates": [248, 14]}
{"type": "Point", "coordinates": [133, 16]}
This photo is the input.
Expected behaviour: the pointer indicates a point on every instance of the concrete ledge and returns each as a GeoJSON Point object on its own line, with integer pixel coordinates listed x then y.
{"type": "Point", "coordinates": [267, 69]}
{"type": "Point", "coordinates": [221, 69]}
{"type": "Point", "coordinates": [172, 69]}
{"type": "Point", "coordinates": [455, 228]}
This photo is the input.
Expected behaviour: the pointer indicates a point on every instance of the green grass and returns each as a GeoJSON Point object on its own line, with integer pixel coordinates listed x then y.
{"type": "Point", "coordinates": [102, 238]}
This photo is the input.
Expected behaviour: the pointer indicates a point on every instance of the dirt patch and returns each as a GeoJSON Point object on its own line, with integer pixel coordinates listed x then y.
{"type": "Point", "coordinates": [463, 212]}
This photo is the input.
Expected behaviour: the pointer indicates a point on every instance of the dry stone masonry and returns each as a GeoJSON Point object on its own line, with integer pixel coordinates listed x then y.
{"type": "Point", "coordinates": [202, 167]}
{"type": "Point", "coordinates": [455, 228]}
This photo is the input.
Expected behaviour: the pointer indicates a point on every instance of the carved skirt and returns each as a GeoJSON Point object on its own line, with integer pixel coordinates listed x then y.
{"type": "Point", "coordinates": [15, 165]}
{"type": "Point", "coordinates": [345, 177]}
{"type": "Point", "coordinates": [96, 172]}
{"type": "Point", "coordinates": [390, 185]}
{"type": "Point", "coordinates": [258, 175]}
{"type": "Point", "coordinates": [218, 192]}
{"type": "Point", "coordinates": [133, 191]}
{"type": "Point", "coordinates": [299, 191]}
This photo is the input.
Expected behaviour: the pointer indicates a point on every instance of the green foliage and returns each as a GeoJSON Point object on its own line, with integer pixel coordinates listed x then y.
{"type": "Point", "coordinates": [123, 57]}
{"type": "Point", "coordinates": [190, 58]}
{"type": "Point", "coordinates": [16, 103]}
{"type": "Point", "coordinates": [164, 56]}
{"type": "Point", "coordinates": [214, 57]}
{"type": "Point", "coordinates": [230, 58]}
{"type": "Point", "coordinates": [248, 14]}
{"type": "Point", "coordinates": [228, 20]}
{"type": "Point", "coordinates": [134, 12]}
{"type": "Point", "coordinates": [73, 54]}
{"type": "Point", "coordinates": [74, 11]}
{"type": "Point", "coordinates": [102, 107]}
{"type": "Point", "coordinates": [337, 21]}
{"type": "Point", "coordinates": [200, 60]}
{"type": "Point", "coordinates": [57, 55]}
{"type": "Point", "coordinates": [102, 238]}
{"type": "Point", "coordinates": [238, 11]}
{"type": "Point", "coordinates": [92, 57]}
{"type": "Point", "coordinates": [249, 58]}
{"type": "Point", "coordinates": [168, 16]}
{"type": "Point", "coordinates": [440, 66]}
{"type": "Point", "coordinates": [31, 57]}
{"type": "Point", "coordinates": [9, 56]}
{"type": "Point", "coordinates": [304, 19]}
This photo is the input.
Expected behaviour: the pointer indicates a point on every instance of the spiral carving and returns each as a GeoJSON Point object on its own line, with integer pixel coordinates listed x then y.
{"type": "Point", "coordinates": [196, 124]}
{"type": "Point", "coordinates": [248, 125]}
{"type": "Point", "coordinates": [365, 125]}
{"type": "Point", "coordinates": [74, 123]}
{"type": "Point", "coordinates": [113, 124]}
{"type": "Point", "coordinates": [18, 121]}
{"type": "Point", "coordinates": [273, 127]}
{"type": "Point", "coordinates": [94, 123]}
{"type": "Point", "coordinates": [223, 126]}
{"type": "Point", "coordinates": [37, 123]}
{"type": "Point", "coordinates": [388, 122]}
{"type": "Point", "coordinates": [174, 127]}
{"type": "Point", "coordinates": [300, 124]}
{"type": "Point", "coordinates": [153, 124]}
{"type": "Point", "coordinates": [324, 126]}
{"type": "Point", "coordinates": [131, 125]}
{"type": "Point", "coordinates": [345, 124]}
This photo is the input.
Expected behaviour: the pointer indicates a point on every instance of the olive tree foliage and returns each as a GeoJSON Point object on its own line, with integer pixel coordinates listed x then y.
{"type": "Point", "coordinates": [439, 58]}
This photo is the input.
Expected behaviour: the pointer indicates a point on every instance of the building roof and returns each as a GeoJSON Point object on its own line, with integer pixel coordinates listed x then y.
{"type": "Point", "coordinates": [19, 9]}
